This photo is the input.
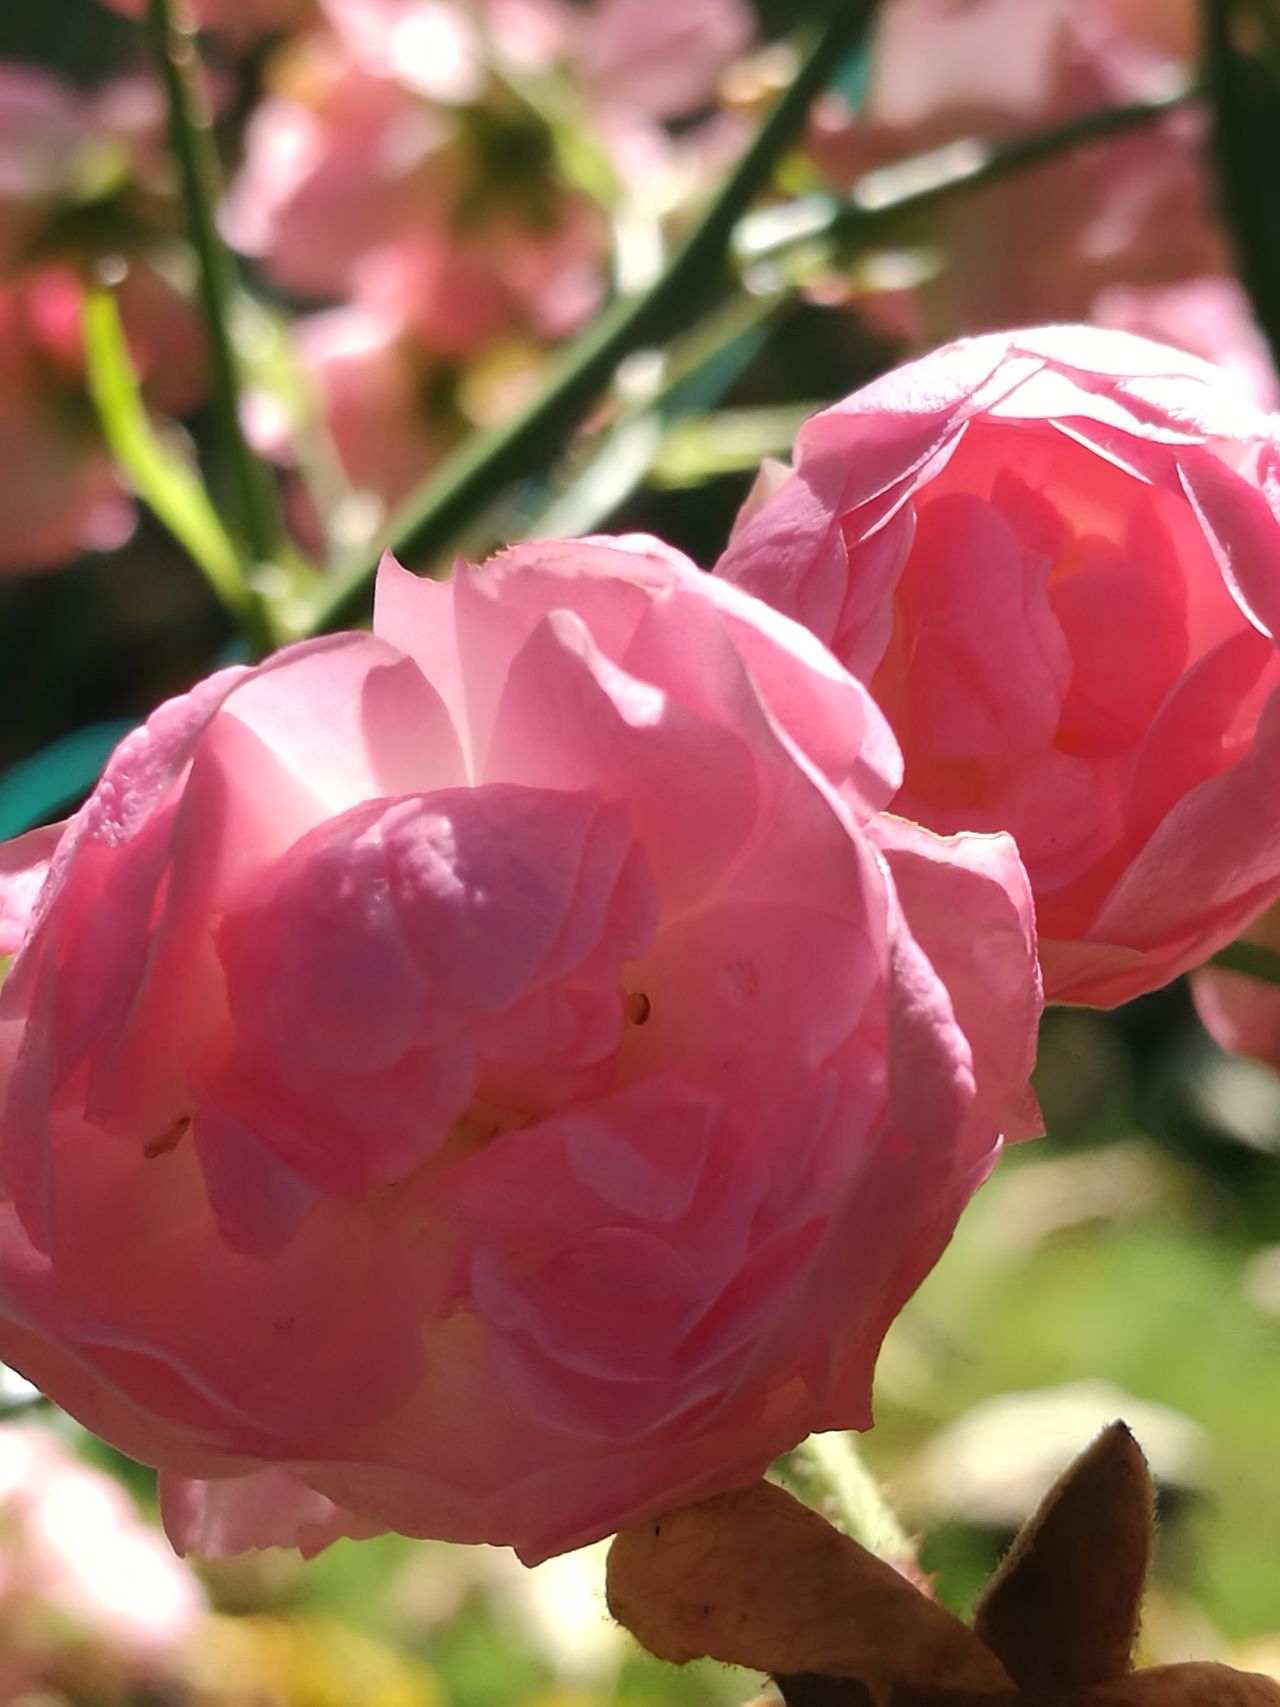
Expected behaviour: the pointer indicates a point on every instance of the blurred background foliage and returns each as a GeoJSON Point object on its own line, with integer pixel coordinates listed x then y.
{"type": "Point", "coordinates": [1129, 1264]}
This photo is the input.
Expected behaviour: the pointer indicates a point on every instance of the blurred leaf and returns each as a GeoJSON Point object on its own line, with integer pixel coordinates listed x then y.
{"type": "Point", "coordinates": [157, 472]}
{"type": "Point", "coordinates": [990, 1468]}
{"type": "Point", "coordinates": [57, 778]}
{"type": "Point", "coordinates": [727, 442]}
{"type": "Point", "coordinates": [1245, 102]}
{"type": "Point", "coordinates": [853, 75]}
{"type": "Point", "coordinates": [307, 1662]}
{"type": "Point", "coordinates": [1195, 1685]}
{"type": "Point", "coordinates": [705, 366]}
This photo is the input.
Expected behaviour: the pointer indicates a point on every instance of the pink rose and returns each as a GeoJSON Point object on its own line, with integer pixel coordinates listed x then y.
{"type": "Point", "coordinates": [481, 1078]}
{"type": "Point", "coordinates": [1054, 558]}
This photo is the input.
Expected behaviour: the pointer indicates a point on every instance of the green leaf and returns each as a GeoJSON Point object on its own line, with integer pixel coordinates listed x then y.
{"type": "Point", "coordinates": [705, 365]}
{"type": "Point", "coordinates": [727, 442]}
{"type": "Point", "coordinates": [155, 469]}
{"type": "Point", "coordinates": [57, 778]}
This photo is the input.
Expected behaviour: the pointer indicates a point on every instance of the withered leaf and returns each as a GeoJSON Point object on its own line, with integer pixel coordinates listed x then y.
{"type": "Point", "coordinates": [756, 1579]}
{"type": "Point", "coordinates": [1062, 1610]}
{"type": "Point", "coordinates": [1193, 1685]}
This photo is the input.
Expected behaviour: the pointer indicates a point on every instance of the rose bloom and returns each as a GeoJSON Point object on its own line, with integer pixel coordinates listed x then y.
{"type": "Point", "coordinates": [1054, 557]}
{"type": "Point", "coordinates": [496, 1077]}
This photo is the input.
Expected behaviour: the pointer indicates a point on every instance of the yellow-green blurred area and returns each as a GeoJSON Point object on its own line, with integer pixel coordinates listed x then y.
{"type": "Point", "coordinates": [1126, 1265]}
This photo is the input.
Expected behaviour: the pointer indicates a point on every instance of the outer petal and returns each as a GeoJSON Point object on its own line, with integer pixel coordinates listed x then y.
{"type": "Point", "coordinates": [24, 865]}
{"type": "Point", "coordinates": [1242, 1014]}
{"type": "Point", "coordinates": [1238, 815]}
{"type": "Point", "coordinates": [269, 1508]}
{"type": "Point", "coordinates": [968, 902]}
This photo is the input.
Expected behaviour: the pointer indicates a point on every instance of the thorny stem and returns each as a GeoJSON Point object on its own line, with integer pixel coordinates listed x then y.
{"type": "Point", "coordinates": [875, 208]}
{"type": "Point", "coordinates": [193, 148]}
{"type": "Point", "coordinates": [828, 1473]}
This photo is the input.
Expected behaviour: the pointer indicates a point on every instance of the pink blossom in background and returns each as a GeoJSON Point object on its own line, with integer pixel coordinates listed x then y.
{"type": "Point", "coordinates": [436, 48]}
{"type": "Point", "coordinates": [81, 180]}
{"type": "Point", "coordinates": [1240, 1013]}
{"type": "Point", "coordinates": [79, 1568]}
{"type": "Point", "coordinates": [395, 161]}
{"type": "Point", "coordinates": [457, 295]}
{"type": "Point", "coordinates": [1170, 27]}
{"type": "Point", "coordinates": [370, 387]}
{"type": "Point", "coordinates": [661, 60]}
{"type": "Point", "coordinates": [58, 490]}
{"type": "Point", "coordinates": [45, 138]}
{"type": "Point", "coordinates": [343, 163]}
{"type": "Point", "coordinates": [65, 150]}
{"type": "Point", "coordinates": [1135, 209]}
{"type": "Point", "coordinates": [1209, 318]}
{"type": "Point", "coordinates": [499, 1076]}
{"type": "Point", "coordinates": [361, 189]}
{"type": "Point", "coordinates": [1054, 557]}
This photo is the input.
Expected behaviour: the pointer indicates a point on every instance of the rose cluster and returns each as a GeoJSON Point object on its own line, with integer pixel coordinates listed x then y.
{"type": "Point", "coordinates": [498, 1077]}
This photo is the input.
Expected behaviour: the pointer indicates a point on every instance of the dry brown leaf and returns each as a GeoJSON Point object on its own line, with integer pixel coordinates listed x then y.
{"type": "Point", "coordinates": [1062, 1610]}
{"type": "Point", "coordinates": [807, 1689]}
{"type": "Point", "coordinates": [757, 1579]}
{"type": "Point", "coordinates": [1194, 1685]}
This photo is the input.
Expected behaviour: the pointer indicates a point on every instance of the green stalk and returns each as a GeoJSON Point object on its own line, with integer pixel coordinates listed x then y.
{"type": "Point", "coordinates": [166, 483]}
{"type": "Point", "coordinates": [192, 141]}
{"type": "Point", "coordinates": [1246, 135]}
{"type": "Point", "coordinates": [828, 1473]}
{"type": "Point", "coordinates": [488, 461]}
{"type": "Point", "coordinates": [869, 215]}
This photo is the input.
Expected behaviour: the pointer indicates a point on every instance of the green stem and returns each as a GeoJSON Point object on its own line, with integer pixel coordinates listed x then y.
{"type": "Point", "coordinates": [1251, 958]}
{"type": "Point", "coordinates": [828, 1473]}
{"type": "Point", "coordinates": [192, 141]}
{"type": "Point", "coordinates": [874, 209]}
{"type": "Point", "coordinates": [1245, 135]}
{"type": "Point", "coordinates": [703, 367]}
{"type": "Point", "coordinates": [161, 477]}
{"type": "Point", "coordinates": [450, 496]}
